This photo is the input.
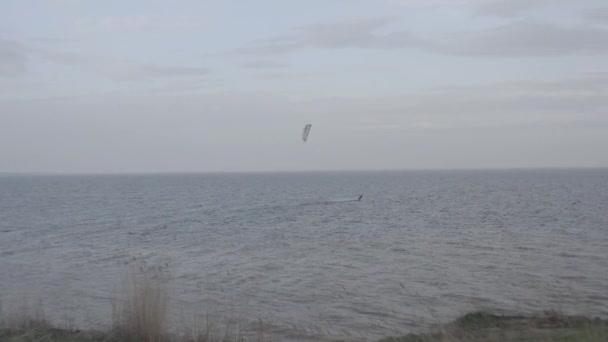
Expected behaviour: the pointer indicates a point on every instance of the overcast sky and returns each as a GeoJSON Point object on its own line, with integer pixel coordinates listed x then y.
{"type": "Point", "coordinates": [186, 86]}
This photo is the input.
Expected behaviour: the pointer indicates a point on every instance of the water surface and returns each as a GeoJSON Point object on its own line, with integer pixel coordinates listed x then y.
{"type": "Point", "coordinates": [300, 253]}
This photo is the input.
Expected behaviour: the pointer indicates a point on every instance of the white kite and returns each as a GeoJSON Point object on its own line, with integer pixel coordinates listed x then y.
{"type": "Point", "coordinates": [306, 132]}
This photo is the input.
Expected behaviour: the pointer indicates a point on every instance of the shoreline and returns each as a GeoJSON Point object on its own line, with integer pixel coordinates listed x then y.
{"type": "Point", "coordinates": [140, 312]}
{"type": "Point", "coordinates": [478, 326]}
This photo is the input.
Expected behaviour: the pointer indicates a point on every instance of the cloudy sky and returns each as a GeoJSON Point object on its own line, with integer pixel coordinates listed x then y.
{"type": "Point", "coordinates": [186, 86]}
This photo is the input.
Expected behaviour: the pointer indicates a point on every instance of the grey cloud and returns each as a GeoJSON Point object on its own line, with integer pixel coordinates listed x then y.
{"type": "Point", "coordinates": [585, 83]}
{"type": "Point", "coordinates": [283, 75]}
{"type": "Point", "coordinates": [135, 23]}
{"type": "Point", "coordinates": [122, 70]}
{"type": "Point", "coordinates": [11, 87]}
{"type": "Point", "coordinates": [498, 8]}
{"type": "Point", "coordinates": [372, 68]}
{"type": "Point", "coordinates": [550, 103]}
{"type": "Point", "coordinates": [12, 59]}
{"type": "Point", "coordinates": [184, 86]}
{"type": "Point", "coordinates": [65, 58]}
{"type": "Point", "coordinates": [52, 40]}
{"type": "Point", "coordinates": [357, 33]}
{"type": "Point", "coordinates": [132, 23]}
{"type": "Point", "coordinates": [337, 71]}
{"type": "Point", "coordinates": [263, 64]}
{"type": "Point", "coordinates": [130, 71]}
{"type": "Point", "coordinates": [598, 15]}
{"type": "Point", "coordinates": [509, 8]}
{"type": "Point", "coordinates": [514, 8]}
{"type": "Point", "coordinates": [524, 38]}
{"type": "Point", "coordinates": [518, 38]}
{"type": "Point", "coordinates": [66, 3]}
{"type": "Point", "coordinates": [269, 76]}
{"type": "Point", "coordinates": [560, 102]}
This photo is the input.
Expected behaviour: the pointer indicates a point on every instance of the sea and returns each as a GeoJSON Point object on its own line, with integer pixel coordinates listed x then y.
{"type": "Point", "coordinates": [299, 257]}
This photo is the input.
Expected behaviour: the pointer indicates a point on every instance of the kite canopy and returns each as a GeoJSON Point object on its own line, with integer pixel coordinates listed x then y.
{"type": "Point", "coordinates": [306, 132]}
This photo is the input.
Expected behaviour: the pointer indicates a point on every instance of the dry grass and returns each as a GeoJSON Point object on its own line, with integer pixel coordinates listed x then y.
{"type": "Point", "coordinates": [24, 315]}
{"type": "Point", "coordinates": [25, 322]}
{"type": "Point", "coordinates": [473, 327]}
{"type": "Point", "coordinates": [140, 314]}
{"type": "Point", "coordinates": [210, 330]}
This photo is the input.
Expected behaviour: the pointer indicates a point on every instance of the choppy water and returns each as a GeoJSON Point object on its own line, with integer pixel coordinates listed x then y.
{"type": "Point", "coordinates": [296, 251]}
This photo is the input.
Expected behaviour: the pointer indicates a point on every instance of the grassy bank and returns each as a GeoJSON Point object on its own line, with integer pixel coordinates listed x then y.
{"type": "Point", "coordinates": [140, 313]}
{"type": "Point", "coordinates": [484, 326]}
{"type": "Point", "coordinates": [474, 327]}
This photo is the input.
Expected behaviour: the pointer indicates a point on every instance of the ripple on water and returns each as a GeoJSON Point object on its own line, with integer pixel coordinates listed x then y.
{"type": "Point", "coordinates": [295, 251]}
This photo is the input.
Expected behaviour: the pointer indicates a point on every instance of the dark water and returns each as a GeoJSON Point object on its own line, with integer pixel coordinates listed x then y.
{"type": "Point", "coordinates": [298, 252]}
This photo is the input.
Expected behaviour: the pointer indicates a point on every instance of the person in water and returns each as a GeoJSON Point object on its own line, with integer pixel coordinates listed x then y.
{"type": "Point", "coordinates": [360, 197]}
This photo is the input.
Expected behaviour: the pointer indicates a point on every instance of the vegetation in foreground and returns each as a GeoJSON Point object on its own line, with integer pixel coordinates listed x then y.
{"type": "Point", "coordinates": [473, 327]}
{"type": "Point", "coordinates": [483, 326]}
{"type": "Point", "coordinates": [141, 315]}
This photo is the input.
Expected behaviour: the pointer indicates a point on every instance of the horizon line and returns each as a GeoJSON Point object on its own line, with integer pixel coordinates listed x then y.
{"type": "Point", "coordinates": [143, 173]}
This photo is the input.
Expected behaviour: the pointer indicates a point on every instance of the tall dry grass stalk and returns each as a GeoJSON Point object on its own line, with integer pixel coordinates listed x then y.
{"type": "Point", "coordinates": [140, 314]}
{"type": "Point", "coordinates": [214, 329]}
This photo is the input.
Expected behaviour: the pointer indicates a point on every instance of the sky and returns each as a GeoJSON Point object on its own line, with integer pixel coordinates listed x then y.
{"type": "Point", "coordinates": [121, 86]}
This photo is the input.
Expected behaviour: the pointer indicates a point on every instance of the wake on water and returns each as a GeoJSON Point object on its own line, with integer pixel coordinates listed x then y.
{"type": "Point", "coordinates": [302, 203]}
{"type": "Point", "coordinates": [331, 201]}
{"type": "Point", "coordinates": [340, 200]}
